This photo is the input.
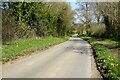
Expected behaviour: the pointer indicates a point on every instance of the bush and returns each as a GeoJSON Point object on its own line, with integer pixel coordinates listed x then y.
{"type": "Point", "coordinates": [106, 62]}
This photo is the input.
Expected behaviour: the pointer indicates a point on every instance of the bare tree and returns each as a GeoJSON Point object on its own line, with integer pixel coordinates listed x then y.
{"type": "Point", "coordinates": [109, 10]}
{"type": "Point", "coordinates": [85, 14]}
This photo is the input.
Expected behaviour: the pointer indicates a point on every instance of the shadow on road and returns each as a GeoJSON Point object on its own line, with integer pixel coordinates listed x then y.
{"type": "Point", "coordinates": [82, 48]}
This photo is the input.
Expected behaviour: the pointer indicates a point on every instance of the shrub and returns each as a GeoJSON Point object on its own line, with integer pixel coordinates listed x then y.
{"type": "Point", "coordinates": [107, 63]}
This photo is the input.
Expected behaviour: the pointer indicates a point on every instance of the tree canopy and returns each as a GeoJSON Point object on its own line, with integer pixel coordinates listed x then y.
{"type": "Point", "coordinates": [28, 19]}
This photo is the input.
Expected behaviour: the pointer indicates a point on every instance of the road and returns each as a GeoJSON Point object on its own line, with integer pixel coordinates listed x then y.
{"type": "Point", "coordinates": [71, 59]}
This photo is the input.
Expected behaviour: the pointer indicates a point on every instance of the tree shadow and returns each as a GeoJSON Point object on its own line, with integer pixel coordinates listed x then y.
{"type": "Point", "coordinates": [82, 50]}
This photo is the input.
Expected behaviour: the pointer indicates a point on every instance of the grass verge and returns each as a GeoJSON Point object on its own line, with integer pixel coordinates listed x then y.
{"type": "Point", "coordinates": [26, 46]}
{"type": "Point", "coordinates": [107, 63]}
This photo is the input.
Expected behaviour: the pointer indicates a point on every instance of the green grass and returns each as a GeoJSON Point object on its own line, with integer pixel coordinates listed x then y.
{"type": "Point", "coordinates": [107, 63]}
{"type": "Point", "coordinates": [26, 46]}
{"type": "Point", "coordinates": [104, 42]}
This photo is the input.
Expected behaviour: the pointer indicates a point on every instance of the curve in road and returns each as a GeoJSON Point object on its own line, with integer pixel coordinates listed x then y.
{"type": "Point", "coordinates": [71, 59]}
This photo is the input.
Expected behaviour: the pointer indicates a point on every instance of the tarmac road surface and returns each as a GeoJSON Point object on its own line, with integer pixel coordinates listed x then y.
{"type": "Point", "coordinates": [71, 59]}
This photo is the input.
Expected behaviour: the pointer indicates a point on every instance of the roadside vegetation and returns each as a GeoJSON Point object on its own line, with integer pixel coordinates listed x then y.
{"type": "Point", "coordinates": [106, 60]}
{"type": "Point", "coordinates": [99, 26]}
{"type": "Point", "coordinates": [22, 47]}
{"type": "Point", "coordinates": [22, 20]}
{"type": "Point", "coordinates": [31, 26]}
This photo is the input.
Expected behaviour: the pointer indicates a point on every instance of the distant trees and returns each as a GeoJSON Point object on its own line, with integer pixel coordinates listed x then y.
{"type": "Point", "coordinates": [110, 14]}
{"type": "Point", "coordinates": [85, 15]}
{"type": "Point", "coordinates": [29, 19]}
{"type": "Point", "coordinates": [100, 12]}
